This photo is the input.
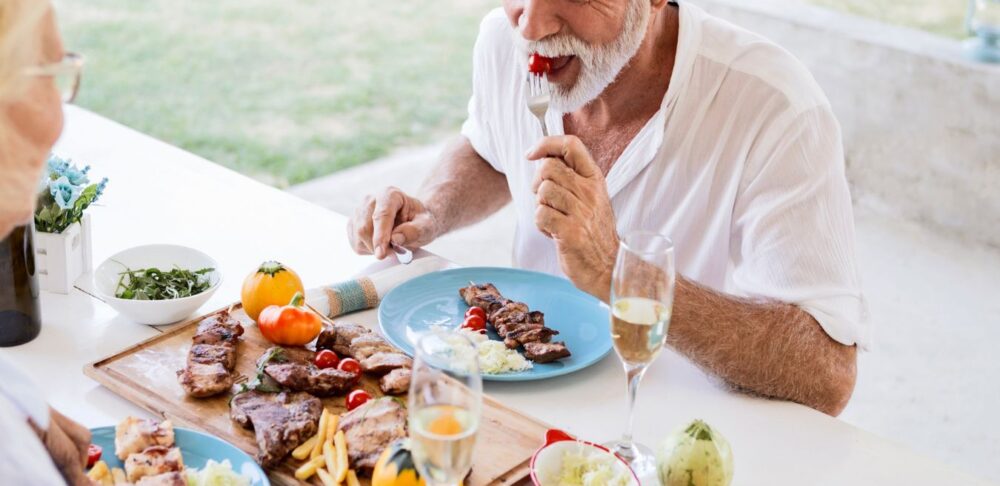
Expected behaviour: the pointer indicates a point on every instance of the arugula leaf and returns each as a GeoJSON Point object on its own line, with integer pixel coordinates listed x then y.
{"type": "Point", "coordinates": [156, 284]}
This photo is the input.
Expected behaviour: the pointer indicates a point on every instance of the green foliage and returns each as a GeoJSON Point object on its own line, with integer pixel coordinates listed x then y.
{"type": "Point", "coordinates": [156, 284]}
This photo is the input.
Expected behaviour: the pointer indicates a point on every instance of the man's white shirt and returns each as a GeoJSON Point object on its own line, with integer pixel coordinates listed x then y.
{"type": "Point", "coordinates": [742, 167]}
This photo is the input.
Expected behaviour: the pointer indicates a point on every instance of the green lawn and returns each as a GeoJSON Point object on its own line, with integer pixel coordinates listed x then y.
{"type": "Point", "coordinates": [286, 91]}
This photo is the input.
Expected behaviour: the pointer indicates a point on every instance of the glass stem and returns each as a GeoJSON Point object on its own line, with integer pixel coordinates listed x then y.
{"type": "Point", "coordinates": [634, 376]}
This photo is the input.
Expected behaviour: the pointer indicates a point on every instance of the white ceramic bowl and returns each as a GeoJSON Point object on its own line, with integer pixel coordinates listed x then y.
{"type": "Point", "coordinates": [546, 463]}
{"type": "Point", "coordinates": [164, 257]}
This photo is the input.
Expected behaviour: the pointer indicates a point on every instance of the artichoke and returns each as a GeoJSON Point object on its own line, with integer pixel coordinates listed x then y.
{"type": "Point", "coordinates": [695, 455]}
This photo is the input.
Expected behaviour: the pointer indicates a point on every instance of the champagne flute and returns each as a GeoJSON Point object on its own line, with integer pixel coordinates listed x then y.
{"type": "Point", "coordinates": [444, 406]}
{"type": "Point", "coordinates": [642, 295]}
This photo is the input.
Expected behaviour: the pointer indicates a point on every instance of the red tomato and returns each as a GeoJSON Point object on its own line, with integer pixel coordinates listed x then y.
{"type": "Point", "coordinates": [539, 64]}
{"type": "Point", "coordinates": [475, 323]}
{"type": "Point", "coordinates": [476, 311]}
{"type": "Point", "coordinates": [326, 359]}
{"type": "Point", "coordinates": [356, 399]}
{"type": "Point", "coordinates": [93, 454]}
{"type": "Point", "coordinates": [350, 365]}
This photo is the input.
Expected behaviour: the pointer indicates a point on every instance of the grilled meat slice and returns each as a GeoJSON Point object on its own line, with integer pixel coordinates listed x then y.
{"type": "Point", "coordinates": [212, 358]}
{"type": "Point", "coordinates": [205, 380]}
{"type": "Point", "coordinates": [224, 354]}
{"type": "Point", "coordinates": [545, 352]}
{"type": "Point", "coordinates": [370, 428]}
{"type": "Point", "coordinates": [338, 337]}
{"type": "Point", "coordinates": [296, 371]}
{"type": "Point", "coordinates": [152, 461]}
{"type": "Point", "coordinates": [165, 479]}
{"type": "Point", "coordinates": [218, 328]}
{"type": "Point", "coordinates": [374, 353]}
{"type": "Point", "coordinates": [135, 435]}
{"type": "Point", "coordinates": [281, 421]}
{"type": "Point", "coordinates": [382, 363]}
{"type": "Point", "coordinates": [396, 382]}
{"type": "Point", "coordinates": [529, 334]}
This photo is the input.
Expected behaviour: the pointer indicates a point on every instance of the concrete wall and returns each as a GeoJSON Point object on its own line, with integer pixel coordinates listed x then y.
{"type": "Point", "coordinates": [921, 124]}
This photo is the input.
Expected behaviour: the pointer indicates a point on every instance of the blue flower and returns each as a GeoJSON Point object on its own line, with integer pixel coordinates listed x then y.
{"type": "Point", "coordinates": [100, 187]}
{"type": "Point", "coordinates": [77, 177]}
{"type": "Point", "coordinates": [64, 193]}
{"type": "Point", "coordinates": [57, 166]}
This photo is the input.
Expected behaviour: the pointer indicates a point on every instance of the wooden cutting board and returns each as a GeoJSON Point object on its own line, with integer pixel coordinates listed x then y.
{"type": "Point", "coordinates": [145, 374]}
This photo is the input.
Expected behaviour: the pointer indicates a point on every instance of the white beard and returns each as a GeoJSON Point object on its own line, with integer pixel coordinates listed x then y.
{"type": "Point", "coordinates": [599, 65]}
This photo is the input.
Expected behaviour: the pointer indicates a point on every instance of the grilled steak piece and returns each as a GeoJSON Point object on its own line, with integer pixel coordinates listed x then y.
{"type": "Point", "coordinates": [375, 354]}
{"type": "Point", "coordinates": [370, 428]}
{"type": "Point", "coordinates": [382, 363]}
{"type": "Point", "coordinates": [516, 324]}
{"type": "Point", "coordinates": [545, 352]}
{"type": "Point", "coordinates": [296, 371]}
{"type": "Point", "coordinates": [152, 461]}
{"type": "Point", "coordinates": [338, 337]}
{"type": "Point", "coordinates": [281, 421]}
{"type": "Point", "coordinates": [165, 479]}
{"type": "Point", "coordinates": [135, 435]}
{"type": "Point", "coordinates": [212, 358]}
{"type": "Point", "coordinates": [396, 382]}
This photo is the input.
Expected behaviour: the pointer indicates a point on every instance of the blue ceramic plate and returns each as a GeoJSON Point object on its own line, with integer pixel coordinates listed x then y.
{"type": "Point", "coordinates": [433, 300]}
{"type": "Point", "coordinates": [196, 448]}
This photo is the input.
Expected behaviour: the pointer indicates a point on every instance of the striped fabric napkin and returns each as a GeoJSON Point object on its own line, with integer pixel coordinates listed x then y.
{"type": "Point", "coordinates": [367, 291]}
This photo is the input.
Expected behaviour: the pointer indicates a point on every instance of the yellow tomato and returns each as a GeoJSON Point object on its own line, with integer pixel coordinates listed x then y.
{"type": "Point", "coordinates": [271, 284]}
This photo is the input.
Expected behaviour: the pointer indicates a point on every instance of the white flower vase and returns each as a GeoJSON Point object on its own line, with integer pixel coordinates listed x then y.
{"type": "Point", "coordinates": [60, 258]}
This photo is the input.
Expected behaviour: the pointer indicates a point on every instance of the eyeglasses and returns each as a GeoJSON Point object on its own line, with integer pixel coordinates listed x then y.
{"type": "Point", "coordinates": [66, 73]}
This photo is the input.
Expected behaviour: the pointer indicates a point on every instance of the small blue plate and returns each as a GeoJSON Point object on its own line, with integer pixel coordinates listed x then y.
{"type": "Point", "coordinates": [433, 300]}
{"type": "Point", "coordinates": [196, 449]}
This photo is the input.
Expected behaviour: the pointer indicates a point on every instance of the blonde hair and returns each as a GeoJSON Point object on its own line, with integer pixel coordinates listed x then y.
{"type": "Point", "coordinates": [19, 42]}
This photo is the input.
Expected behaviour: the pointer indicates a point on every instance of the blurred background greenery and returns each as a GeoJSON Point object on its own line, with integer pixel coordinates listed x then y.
{"type": "Point", "coordinates": [292, 90]}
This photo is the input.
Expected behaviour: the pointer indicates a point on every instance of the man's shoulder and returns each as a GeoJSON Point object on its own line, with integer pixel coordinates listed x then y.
{"type": "Point", "coordinates": [747, 52]}
{"type": "Point", "coordinates": [494, 33]}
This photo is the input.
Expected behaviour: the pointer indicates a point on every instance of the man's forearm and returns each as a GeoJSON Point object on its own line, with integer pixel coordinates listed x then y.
{"type": "Point", "coordinates": [463, 188]}
{"type": "Point", "coordinates": [769, 348]}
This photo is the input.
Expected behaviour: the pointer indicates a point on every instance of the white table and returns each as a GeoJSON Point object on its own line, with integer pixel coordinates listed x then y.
{"type": "Point", "coordinates": [161, 194]}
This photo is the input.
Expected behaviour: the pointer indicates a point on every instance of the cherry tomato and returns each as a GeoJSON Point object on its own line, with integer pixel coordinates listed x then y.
{"type": "Point", "coordinates": [350, 365]}
{"type": "Point", "coordinates": [539, 64]}
{"type": "Point", "coordinates": [356, 399]}
{"type": "Point", "coordinates": [93, 454]}
{"type": "Point", "coordinates": [475, 323]}
{"type": "Point", "coordinates": [476, 311]}
{"type": "Point", "coordinates": [326, 359]}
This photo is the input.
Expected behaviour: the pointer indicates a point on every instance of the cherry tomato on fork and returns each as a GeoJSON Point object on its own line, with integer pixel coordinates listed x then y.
{"type": "Point", "coordinates": [93, 454]}
{"type": "Point", "coordinates": [326, 359]}
{"type": "Point", "coordinates": [539, 64]}
{"type": "Point", "coordinates": [476, 311]}
{"type": "Point", "coordinates": [350, 365]}
{"type": "Point", "coordinates": [356, 399]}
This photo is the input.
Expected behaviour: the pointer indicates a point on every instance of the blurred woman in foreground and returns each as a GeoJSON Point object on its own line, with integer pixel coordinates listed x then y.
{"type": "Point", "coordinates": [38, 445]}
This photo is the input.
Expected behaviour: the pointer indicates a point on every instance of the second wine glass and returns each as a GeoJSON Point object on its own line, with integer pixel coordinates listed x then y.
{"type": "Point", "coordinates": [444, 406]}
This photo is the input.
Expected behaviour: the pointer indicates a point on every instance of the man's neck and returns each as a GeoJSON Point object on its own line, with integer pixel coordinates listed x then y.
{"type": "Point", "coordinates": [638, 90]}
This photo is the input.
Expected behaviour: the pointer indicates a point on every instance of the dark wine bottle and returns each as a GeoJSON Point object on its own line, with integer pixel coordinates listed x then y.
{"type": "Point", "coordinates": [20, 312]}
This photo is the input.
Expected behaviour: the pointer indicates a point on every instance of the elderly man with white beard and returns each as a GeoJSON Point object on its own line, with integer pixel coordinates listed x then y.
{"type": "Point", "coordinates": [663, 118]}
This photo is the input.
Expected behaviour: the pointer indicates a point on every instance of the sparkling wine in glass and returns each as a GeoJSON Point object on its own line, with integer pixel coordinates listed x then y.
{"type": "Point", "coordinates": [642, 295]}
{"type": "Point", "coordinates": [444, 406]}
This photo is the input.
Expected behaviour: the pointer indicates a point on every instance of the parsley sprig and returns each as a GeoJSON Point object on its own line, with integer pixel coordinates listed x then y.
{"type": "Point", "coordinates": [156, 284]}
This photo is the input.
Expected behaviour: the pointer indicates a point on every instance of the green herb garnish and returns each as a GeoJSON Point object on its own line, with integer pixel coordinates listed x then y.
{"type": "Point", "coordinates": [156, 284]}
{"type": "Point", "coordinates": [263, 382]}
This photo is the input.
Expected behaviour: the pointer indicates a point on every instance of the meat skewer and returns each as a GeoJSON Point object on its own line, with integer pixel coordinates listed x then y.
{"type": "Point", "coordinates": [376, 355]}
{"type": "Point", "coordinates": [515, 323]}
{"type": "Point", "coordinates": [211, 361]}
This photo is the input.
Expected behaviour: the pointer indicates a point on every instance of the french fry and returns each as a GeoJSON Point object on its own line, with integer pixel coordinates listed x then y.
{"type": "Point", "coordinates": [352, 479]}
{"type": "Point", "coordinates": [306, 470]}
{"type": "Point", "coordinates": [118, 475]}
{"type": "Point", "coordinates": [106, 480]}
{"type": "Point", "coordinates": [326, 478]}
{"type": "Point", "coordinates": [342, 464]}
{"type": "Point", "coordinates": [331, 426]}
{"type": "Point", "coordinates": [303, 450]}
{"type": "Point", "coordinates": [99, 470]}
{"type": "Point", "coordinates": [318, 446]}
{"type": "Point", "coordinates": [330, 456]}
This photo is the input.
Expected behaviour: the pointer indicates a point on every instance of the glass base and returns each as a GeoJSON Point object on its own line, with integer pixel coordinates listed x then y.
{"type": "Point", "coordinates": [639, 457]}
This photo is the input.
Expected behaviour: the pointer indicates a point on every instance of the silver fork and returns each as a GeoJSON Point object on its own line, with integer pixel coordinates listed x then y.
{"type": "Point", "coordinates": [538, 98]}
